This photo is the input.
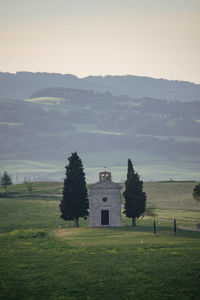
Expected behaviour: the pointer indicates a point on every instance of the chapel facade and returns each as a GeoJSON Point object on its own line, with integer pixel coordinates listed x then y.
{"type": "Point", "coordinates": [105, 202]}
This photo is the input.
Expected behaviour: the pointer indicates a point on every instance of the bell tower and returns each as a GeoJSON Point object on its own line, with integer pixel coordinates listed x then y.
{"type": "Point", "coordinates": [105, 175]}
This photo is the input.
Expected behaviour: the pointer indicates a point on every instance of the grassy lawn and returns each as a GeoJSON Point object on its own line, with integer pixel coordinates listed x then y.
{"type": "Point", "coordinates": [38, 188]}
{"type": "Point", "coordinates": [171, 195]}
{"type": "Point", "coordinates": [44, 257]}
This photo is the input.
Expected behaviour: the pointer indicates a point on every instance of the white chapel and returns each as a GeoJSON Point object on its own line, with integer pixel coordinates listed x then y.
{"type": "Point", "coordinates": [104, 202]}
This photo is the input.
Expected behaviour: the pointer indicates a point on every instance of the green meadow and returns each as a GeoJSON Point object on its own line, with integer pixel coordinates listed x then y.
{"type": "Point", "coordinates": [44, 257]}
{"type": "Point", "coordinates": [150, 167]}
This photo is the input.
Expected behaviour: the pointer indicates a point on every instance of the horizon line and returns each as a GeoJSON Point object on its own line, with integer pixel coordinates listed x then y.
{"type": "Point", "coordinates": [100, 75]}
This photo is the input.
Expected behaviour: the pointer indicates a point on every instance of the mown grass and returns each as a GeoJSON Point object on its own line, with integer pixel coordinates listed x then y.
{"type": "Point", "coordinates": [171, 195]}
{"type": "Point", "coordinates": [84, 263]}
{"type": "Point", "coordinates": [44, 257]}
{"type": "Point", "coordinates": [38, 188]}
{"type": "Point", "coordinates": [163, 195]}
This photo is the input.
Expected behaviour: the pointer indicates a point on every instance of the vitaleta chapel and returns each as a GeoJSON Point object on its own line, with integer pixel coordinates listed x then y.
{"type": "Point", "coordinates": [105, 202]}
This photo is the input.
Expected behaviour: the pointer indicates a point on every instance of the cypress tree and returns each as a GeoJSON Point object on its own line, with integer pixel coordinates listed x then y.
{"type": "Point", "coordinates": [74, 203]}
{"type": "Point", "coordinates": [130, 168]}
{"type": "Point", "coordinates": [135, 198]}
{"type": "Point", "coordinates": [5, 180]}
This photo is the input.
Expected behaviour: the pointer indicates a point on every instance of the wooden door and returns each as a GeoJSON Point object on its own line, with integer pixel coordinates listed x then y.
{"type": "Point", "coordinates": [105, 217]}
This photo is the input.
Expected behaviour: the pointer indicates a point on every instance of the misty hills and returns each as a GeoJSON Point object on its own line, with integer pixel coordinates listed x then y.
{"type": "Point", "coordinates": [44, 116]}
{"type": "Point", "coordinates": [106, 102]}
{"type": "Point", "coordinates": [42, 127]}
{"type": "Point", "coordinates": [22, 84]}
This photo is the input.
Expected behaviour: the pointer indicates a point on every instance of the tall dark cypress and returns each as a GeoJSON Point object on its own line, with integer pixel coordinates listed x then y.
{"type": "Point", "coordinates": [135, 198]}
{"type": "Point", "coordinates": [74, 203]}
{"type": "Point", "coordinates": [130, 168]}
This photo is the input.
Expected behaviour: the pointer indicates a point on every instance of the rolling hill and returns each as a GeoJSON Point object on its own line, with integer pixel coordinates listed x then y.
{"type": "Point", "coordinates": [22, 84]}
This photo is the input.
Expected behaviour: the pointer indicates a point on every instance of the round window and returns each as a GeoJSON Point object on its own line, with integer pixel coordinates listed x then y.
{"type": "Point", "coordinates": [105, 199]}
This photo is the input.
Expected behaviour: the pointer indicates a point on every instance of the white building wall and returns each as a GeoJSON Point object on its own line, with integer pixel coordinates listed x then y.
{"type": "Point", "coordinates": [99, 191]}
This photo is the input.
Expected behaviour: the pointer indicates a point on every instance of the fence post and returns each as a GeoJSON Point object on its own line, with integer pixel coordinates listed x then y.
{"type": "Point", "coordinates": [174, 226]}
{"type": "Point", "coordinates": [154, 227]}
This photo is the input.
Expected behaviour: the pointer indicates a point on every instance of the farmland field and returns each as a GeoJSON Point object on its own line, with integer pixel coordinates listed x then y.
{"type": "Point", "coordinates": [150, 167]}
{"type": "Point", "coordinates": [46, 100]}
{"type": "Point", "coordinates": [43, 257]}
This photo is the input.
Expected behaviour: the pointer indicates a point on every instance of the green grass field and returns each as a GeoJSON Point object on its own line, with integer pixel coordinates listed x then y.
{"type": "Point", "coordinates": [149, 167]}
{"type": "Point", "coordinates": [44, 257]}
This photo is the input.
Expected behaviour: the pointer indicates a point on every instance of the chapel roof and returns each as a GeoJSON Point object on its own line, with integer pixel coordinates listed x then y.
{"type": "Point", "coordinates": [104, 184]}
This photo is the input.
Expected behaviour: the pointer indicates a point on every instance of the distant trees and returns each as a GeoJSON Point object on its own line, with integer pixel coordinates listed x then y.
{"type": "Point", "coordinates": [5, 180]}
{"type": "Point", "coordinates": [135, 198]}
{"type": "Point", "coordinates": [74, 203]}
{"type": "Point", "coordinates": [196, 192]}
{"type": "Point", "coordinates": [29, 186]}
{"type": "Point", "coordinates": [149, 212]}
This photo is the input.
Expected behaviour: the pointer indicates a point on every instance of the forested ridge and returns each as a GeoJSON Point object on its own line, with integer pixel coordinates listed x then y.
{"type": "Point", "coordinates": [22, 84]}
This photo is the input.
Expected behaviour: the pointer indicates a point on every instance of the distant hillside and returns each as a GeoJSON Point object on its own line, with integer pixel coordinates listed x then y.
{"type": "Point", "coordinates": [56, 120]}
{"type": "Point", "coordinates": [161, 136]}
{"type": "Point", "coordinates": [22, 84]}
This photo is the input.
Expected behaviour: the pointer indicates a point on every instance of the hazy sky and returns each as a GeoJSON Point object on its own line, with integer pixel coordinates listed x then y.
{"type": "Point", "coordinates": [155, 38]}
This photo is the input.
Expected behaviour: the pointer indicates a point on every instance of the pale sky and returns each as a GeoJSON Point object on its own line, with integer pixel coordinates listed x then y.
{"type": "Point", "coordinates": [155, 38]}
